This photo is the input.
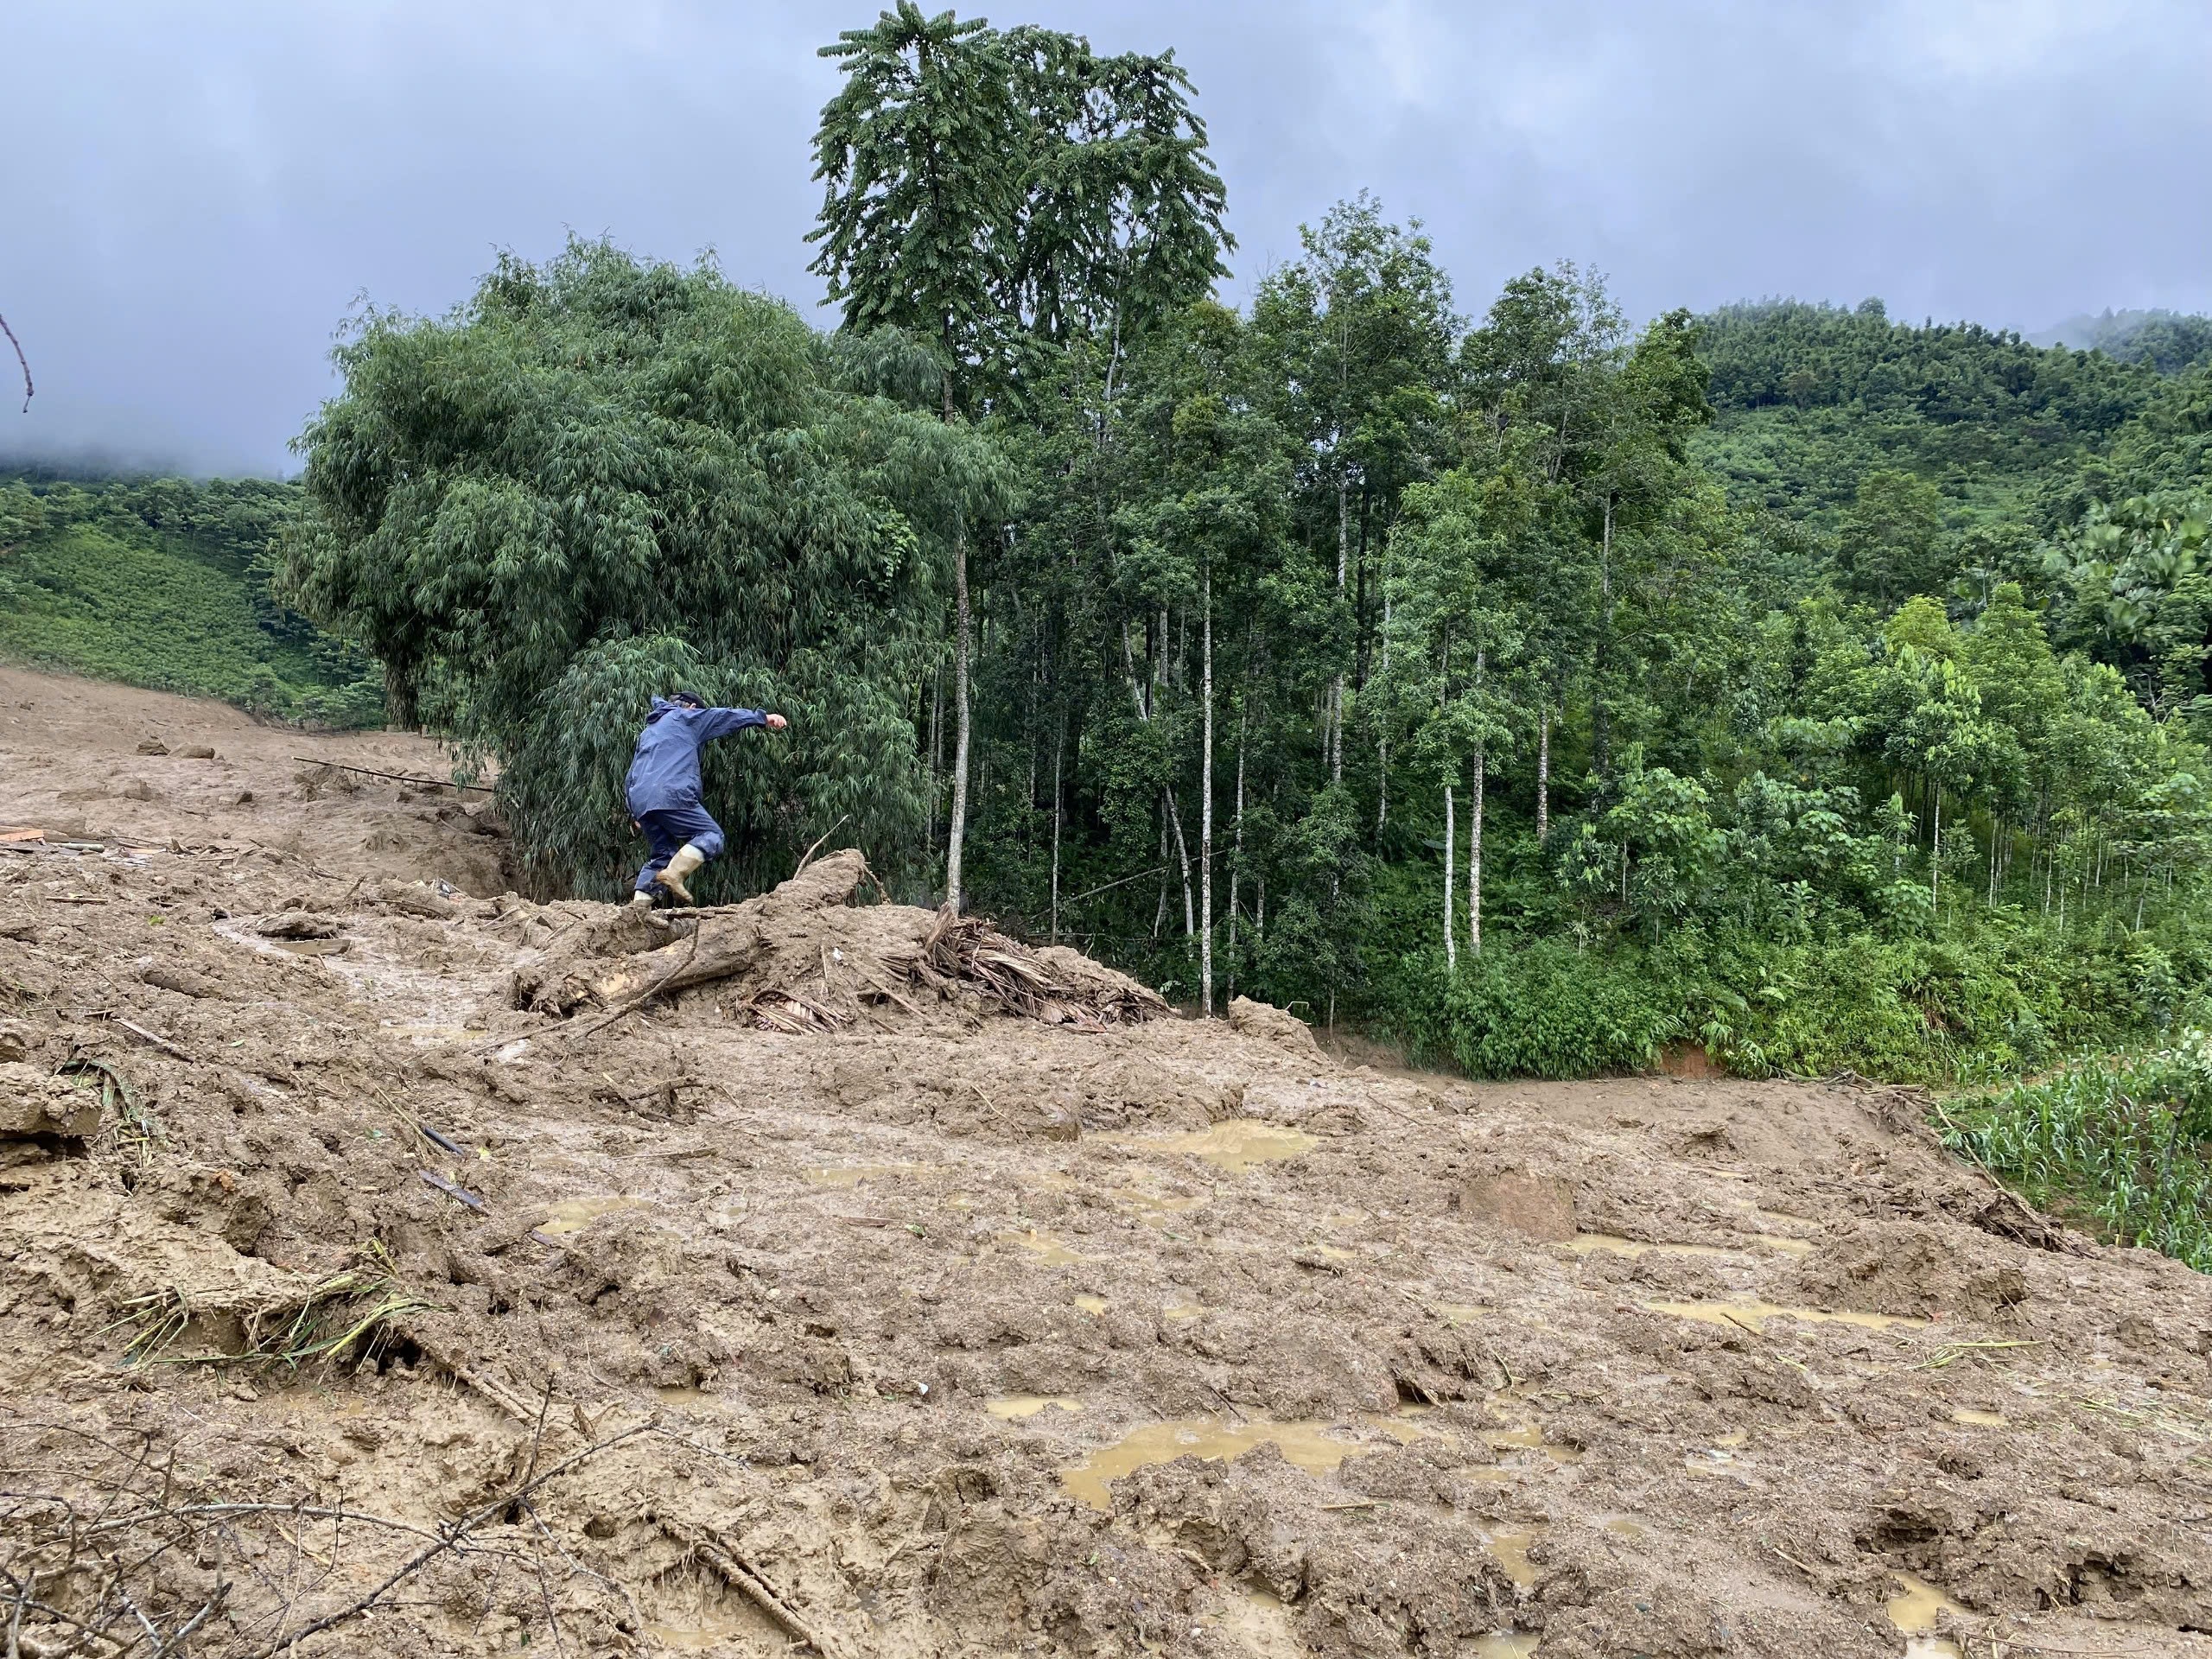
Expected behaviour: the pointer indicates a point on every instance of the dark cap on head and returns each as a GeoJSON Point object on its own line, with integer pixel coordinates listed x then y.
{"type": "Point", "coordinates": [680, 695]}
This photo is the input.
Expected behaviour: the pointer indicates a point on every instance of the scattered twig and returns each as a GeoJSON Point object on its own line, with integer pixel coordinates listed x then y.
{"type": "Point", "coordinates": [807, 857]}
{"type": "Point", "coordinates": [15, 1618]}
{"type": "Point", "coordinates": [175, 1643]}
{"type": "Point", "coordinates": [428, 1553]}
{"type": "Point", "coordinates": [741, 1577]}
{"type": "Point", "coordinates": [439, 1139]}
{"type": "Point", "coordinates": [462, 1194]}
{"type": "Point", "coordinates": [156, 1039]}
{"type": "Point", "coordinates": [396, 777]}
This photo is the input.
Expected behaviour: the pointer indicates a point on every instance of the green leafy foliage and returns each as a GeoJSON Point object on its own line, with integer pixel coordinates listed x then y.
{"type": "Point", "coordinates": [2125, 1141]}
{"type": "Point", "coordinates": [604, 478]}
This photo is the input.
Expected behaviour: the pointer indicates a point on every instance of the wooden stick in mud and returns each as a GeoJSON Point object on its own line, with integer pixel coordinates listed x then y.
{"type": "Point", "coordinates": [156, 1039]}
{"type": "Point", "coordinates": [742, 1578]}
{"type": "Point", "coordinates": [396, 777]}
{"type": "Point", "coordinates": [807, 857]}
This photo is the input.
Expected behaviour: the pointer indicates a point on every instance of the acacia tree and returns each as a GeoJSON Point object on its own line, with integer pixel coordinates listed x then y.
{"type": "Point", "coordinates": [602, 477]}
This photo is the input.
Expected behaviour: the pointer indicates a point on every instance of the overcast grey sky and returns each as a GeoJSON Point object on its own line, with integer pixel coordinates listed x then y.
{"type": "Point", "coordinates": [196, 194]}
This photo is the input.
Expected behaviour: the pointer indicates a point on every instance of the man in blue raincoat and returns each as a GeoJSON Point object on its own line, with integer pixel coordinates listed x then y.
{"type": "Point", "coordinates": [662, 789]}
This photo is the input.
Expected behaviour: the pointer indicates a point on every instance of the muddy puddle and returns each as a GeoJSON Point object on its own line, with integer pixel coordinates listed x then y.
{"type": "Point", "coordinates": [1751, 1315]}
{"type": "Point", "coordinates": [862, 1174]}
{"type": "Point", "coordinates": [1916, 1610]}
{"type": "Point", "coordinates": [1260, 1622]}
{"type": "Point", "coordinates": [1318, 1448]}
{"type": "Point", "coordinates": [573, 1215]}
{"type": "Point", "coordinates": [1234, 1144]}
{"type": "Point", "coordinates": [1051, 1251]}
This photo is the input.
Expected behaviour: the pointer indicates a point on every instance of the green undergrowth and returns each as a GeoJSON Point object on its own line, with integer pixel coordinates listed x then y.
{"type": "Point", "coordinates": [2121, 1142]}
{"type": "Point", "coordinates": [2001, 999]}
{"type": "Point", "coordinates": [150, 610]}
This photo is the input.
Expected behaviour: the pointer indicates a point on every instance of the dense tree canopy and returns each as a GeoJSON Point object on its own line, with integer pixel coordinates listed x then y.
{"type": "Point", "coordinates": [602, 478]}
{"type": "Point", "coordinates": [1821, 689]}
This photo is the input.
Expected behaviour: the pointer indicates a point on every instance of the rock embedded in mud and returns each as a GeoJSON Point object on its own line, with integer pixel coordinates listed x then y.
{"type": "Point", "coordinates": [196, 752]}
{"type": "Point", "coordinates": [34, 1104]}
{"type": "Point", "coordinates": [152, 746]}
{"type": "Point", "coordinates": [297, 925]}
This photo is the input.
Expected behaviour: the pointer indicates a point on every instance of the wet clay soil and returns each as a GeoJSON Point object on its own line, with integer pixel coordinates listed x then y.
{"type": "Point", "coordinates": [923, 1328]}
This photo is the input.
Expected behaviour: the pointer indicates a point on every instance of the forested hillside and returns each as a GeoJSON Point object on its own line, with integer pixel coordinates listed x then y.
{"type": "Point", "coordinates": [1544, 690]}
{"type": "Point", "coordinates": [164, 583]}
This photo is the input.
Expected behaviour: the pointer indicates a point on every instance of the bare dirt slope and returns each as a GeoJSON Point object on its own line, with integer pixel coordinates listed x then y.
{"type": "Point", "coordinates": [407, 1268]}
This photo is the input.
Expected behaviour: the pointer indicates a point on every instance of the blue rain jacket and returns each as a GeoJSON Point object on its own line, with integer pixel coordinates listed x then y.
{"type": "Point", "coordinates": [665, 771]}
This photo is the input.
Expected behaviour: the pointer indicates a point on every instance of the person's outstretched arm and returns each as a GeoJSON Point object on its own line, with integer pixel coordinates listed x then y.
{"type": "Point", "coordinates": [720, 722]}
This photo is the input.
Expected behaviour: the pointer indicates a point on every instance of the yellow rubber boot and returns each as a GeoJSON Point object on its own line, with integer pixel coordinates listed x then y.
{"type": "Point", "coordinates": [688, 858]}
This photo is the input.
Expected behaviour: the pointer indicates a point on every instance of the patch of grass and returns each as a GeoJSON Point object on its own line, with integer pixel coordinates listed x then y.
{"type": "Point", "coordinates": [2123, 1140]}
{"type": "Point", "coordinates": [326, 1319]}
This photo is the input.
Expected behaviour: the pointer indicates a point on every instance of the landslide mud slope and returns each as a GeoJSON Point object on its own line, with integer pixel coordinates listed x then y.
{"type": "Point", "coordinates": [439, 1273]}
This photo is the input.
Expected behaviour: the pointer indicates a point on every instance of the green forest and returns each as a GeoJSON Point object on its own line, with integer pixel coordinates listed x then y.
{"type": "Point", "coordinates": [1488, 673]}
{"type": "Point", "coordinates": [164, 582]}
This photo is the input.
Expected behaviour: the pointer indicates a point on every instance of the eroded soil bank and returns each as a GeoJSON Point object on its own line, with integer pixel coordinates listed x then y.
{"type": "Point", "coordinates": [814, 1273]}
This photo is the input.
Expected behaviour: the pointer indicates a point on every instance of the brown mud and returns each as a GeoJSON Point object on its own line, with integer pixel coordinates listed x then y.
{"type": "Point", "coordinates": [395, 1265]}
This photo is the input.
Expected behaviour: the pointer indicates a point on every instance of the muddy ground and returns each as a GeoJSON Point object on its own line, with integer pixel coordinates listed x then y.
{"type": "Point", "coordinates": [395, 1265]}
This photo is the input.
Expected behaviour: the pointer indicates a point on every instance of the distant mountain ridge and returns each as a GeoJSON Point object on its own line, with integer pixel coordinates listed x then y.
{"type": "Point", "coordinates": [2172, 342]}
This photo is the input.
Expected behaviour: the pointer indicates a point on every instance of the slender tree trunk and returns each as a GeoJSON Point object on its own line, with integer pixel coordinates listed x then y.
{"type": "Point", "coordinates": [1337, 690]}
{"type": "Point", "coordinates": [1936, 861]}
{"type": "Point", "coordinates": [936, 742]}
{"type": "Point", "coordinates": [1236, 854]}
{"type": "Point", "coordinates": [1160, 914]}
{"type": "Point", "coordinates": [1060, 749]}
{"type": "Point", "coordinates": [1543, 775]}
{"type": "Point", "coordinates": [1183, 856]}
{"type": "Point", "coordinates": [1601, 733]}
{"type": "Point", "coordinates": [1205, 795]}
{"type": "Point", "coordinates": [964, 624]}
{"type": "Point", "coordinates": [1383, 739]}
{"type": "Point", "coordinates": [1451, 921]}
{"type": "Point", "coordinates": [1475, 858]}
